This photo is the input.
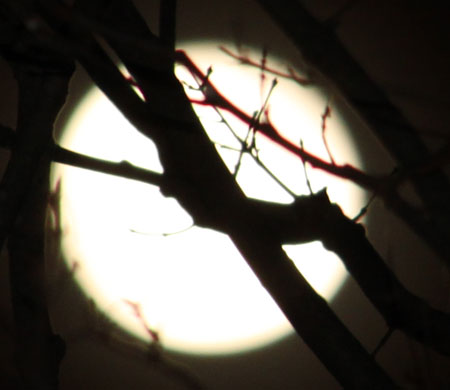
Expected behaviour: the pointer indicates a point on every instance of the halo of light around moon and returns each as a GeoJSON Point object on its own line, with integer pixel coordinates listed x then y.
{"type": "Point", "coordinates": [132, 245]}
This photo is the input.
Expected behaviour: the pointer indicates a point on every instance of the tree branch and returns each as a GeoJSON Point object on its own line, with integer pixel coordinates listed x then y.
{"type": "Point", "coordinates": [121, 169]}
{"type": "Point", "coordinates": [42, 78]}
{"type": "Point", "coordinates": [314, 218]}
{"type": "Point", "coordinates": [322, 49]}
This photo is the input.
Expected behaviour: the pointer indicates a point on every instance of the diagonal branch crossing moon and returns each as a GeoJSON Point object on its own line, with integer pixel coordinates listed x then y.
{"type": "Point", "coordinates": [132, 244]}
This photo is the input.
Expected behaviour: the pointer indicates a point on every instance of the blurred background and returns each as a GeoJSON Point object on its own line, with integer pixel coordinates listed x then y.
{"type": "Point", "coordinates": [404, 47]}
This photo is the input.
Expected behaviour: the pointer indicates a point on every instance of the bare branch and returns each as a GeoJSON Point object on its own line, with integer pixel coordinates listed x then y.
{"type": "Point", "coordinates": [42, 79]}
{"type": "Point", "coordinates": [64, 156]}
{"type": "Point", "coordinates": [322, 49]}
{"type": "Point", "coordinates": [122, 169]}
{"type": "Point", "coordinates": [315, 218]}
{"type": "Point", "coordinates": [290, 74]}
{"type": "Point", "coordinates": [214, 98]}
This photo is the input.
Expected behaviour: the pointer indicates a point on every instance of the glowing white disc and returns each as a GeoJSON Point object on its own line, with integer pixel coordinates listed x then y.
{"type": "Point", "coordinates": [193, 287]}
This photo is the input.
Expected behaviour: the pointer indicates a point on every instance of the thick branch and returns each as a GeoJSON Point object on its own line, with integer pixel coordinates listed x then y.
{"type": "Point", "coordinates": [309, 313]}
{"type": "Point", "coordinates": [401, 309]}
{"type": "Point", "coordinates": [315, 218]}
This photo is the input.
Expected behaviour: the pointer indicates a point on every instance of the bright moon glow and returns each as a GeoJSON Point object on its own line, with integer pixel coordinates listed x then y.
{"type": "Point", "coordinates": [193, 287]}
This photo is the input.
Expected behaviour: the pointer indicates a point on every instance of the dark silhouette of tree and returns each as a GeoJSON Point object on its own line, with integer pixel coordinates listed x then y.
{"type": "Point", "coordinates": [42, 40]}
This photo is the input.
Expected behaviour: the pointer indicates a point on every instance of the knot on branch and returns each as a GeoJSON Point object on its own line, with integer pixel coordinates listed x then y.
{"type": "Point", "coordinates": [326, 221]}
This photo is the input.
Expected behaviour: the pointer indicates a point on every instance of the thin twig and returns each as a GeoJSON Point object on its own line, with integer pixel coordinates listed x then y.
{"type": "Point", "coordinates": [291, 75]}
{"type": "Point", "coordinates": [184, 230]}
{"type": "Point", "coordinates": [308, 183]}
{"type": "Point", "coordinates": [325, 115]}
{"type": "Point", "coordinates": [364, 209]}
{"type": "Point", "coordinates": [137, 312]}
{"type": "Point", "coordinates": [215, 98]}
{"type": "Point", "coordinates": [273, 176]}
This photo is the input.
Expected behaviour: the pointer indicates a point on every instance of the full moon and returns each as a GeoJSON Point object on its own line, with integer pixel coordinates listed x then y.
{"type": "Point", "coordinates": [138, 255]}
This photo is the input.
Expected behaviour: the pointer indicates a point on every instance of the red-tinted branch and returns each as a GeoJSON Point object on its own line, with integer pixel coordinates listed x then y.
{"type": "Point", "coordinates": [213, 97]}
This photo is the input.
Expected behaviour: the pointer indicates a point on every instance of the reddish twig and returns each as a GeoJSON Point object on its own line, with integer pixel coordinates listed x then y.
{"type": "Point", "coordinates": [137, 311]}
{"type": "Point", "coordinates": [212, 97]}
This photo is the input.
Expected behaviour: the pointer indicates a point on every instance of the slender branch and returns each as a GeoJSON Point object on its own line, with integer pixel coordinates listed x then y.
{"type": "Point", "coordinates": [305, 172]}
{"type": "Point", "coordinates": [64, 156]}
{"type": "Point", "coordinates": [122, 169]}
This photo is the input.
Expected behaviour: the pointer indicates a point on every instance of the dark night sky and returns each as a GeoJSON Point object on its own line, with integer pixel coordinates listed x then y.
{"type": "Point", "coordinates": [404, 47]}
